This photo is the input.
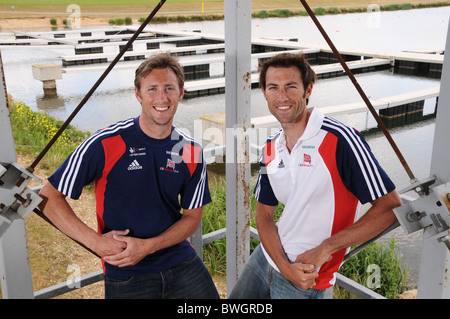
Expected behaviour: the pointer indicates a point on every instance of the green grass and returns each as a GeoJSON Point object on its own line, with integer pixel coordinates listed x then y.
{"type": "Point", "coordinates": [377, 259]}
{"type": "Point", "coordinates": [33, 130]}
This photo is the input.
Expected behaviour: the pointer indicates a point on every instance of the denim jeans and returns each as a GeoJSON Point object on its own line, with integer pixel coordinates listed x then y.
{"type": "Point", "coordinates": [189, 279]}
{"type": "Point", "coordinates": [259, 280]}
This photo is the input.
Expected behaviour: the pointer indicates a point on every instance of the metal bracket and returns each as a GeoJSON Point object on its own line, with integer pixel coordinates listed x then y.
{"type": "Point", "coordinates": [431, 210]}
{"type": "Point", "coordinates": [421, 187]}
{"type": "Point", "coordinates": [15, 196]}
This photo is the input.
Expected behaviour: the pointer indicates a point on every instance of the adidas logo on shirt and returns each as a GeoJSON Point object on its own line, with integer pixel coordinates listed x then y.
{"type": "Point", "coordinates": [134, 166]}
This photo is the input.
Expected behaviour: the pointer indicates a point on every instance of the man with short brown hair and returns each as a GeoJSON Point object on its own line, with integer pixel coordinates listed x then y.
{"type": "Point", "coordinates": [150, 185]}
{"type": "Point", "coordinates": [321, 170]}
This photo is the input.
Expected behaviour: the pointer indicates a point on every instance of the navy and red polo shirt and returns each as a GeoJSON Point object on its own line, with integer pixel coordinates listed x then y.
{"type": "Point", "coordinates": [141, 184]}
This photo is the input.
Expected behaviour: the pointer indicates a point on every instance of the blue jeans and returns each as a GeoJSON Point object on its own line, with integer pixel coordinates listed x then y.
{"type": "Point", "coordinates": [259, 280]}
{"type": "Point", "coordinates": [189, 279]}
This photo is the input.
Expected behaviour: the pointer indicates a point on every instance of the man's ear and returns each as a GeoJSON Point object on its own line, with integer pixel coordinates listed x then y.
{"type": "Point", "coordinates": [137, 94]}
{"type": "Point", "coordinates": [181, 95]}
{"type": "Point", "coordinates": [309, 90]}
{"type": "Point", "coordinates": [263, 92]}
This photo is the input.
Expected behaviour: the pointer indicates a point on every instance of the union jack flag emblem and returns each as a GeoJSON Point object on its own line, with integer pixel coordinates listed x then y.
{"type": "Point", "coordinates": [170, 164]}
{"type": "Point", "coordinates": [306, 158]}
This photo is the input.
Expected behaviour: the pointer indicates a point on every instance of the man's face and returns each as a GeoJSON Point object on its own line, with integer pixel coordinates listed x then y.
{"type": "Point", "coordinates": [285, 94]}
{"type": "Point", "coordinates": [159, 96]}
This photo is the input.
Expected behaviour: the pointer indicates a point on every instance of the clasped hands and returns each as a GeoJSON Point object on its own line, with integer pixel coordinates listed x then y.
{"type": "Point", "coordinates": [303, 271]}
{"type": "Point", "coordinates": [118, 249]}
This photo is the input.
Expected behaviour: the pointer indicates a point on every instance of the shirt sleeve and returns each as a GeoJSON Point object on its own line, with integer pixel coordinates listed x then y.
{"type": "Point", "coordinates": [81, 168]}
{"type": "Point", "coordinates": [359, 169]}
{"type": "Point", "coordinates": [263, 190]}
{"type": "Point", "coordinates": [196, 193]}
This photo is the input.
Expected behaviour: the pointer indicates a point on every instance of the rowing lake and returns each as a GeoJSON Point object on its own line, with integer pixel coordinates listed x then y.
{"type": "Point", "coordinates": [396, 31]}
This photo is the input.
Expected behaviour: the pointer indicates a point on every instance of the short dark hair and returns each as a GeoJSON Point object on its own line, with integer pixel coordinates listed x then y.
{"type": "Point", "coordinates": [286, 60]}
{"type": "Point", "coordinates": [159, 61]}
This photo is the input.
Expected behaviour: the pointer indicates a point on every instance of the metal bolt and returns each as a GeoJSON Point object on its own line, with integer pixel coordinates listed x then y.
{"type": "Point", "coordinates": [416, 216]}
{"type": "Point", "coordinates": [445, 240]}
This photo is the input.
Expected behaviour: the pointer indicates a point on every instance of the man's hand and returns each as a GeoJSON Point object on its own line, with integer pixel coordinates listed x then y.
{"type": "Point", "coordinates": [316, 256]}
{"type": "Point", "coordinates": [107, 245]}
{"type": "Point", "coordinates": [301, 275]}
{"type": "Point", "coordinates": [136, 249]}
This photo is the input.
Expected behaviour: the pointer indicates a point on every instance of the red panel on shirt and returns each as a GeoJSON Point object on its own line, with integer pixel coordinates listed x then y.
{"type": "Point", "coordinates": [269, 152]}
{"type": "Point", "coordinates": [344, 213]}
{"type": "Point", "coordinates": [191, 156]}
{"type": "Point", "coordinates": [114, 148]}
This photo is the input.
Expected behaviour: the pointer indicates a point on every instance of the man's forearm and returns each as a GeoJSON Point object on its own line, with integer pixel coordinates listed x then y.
{"type": "Point", "coordinates": [60, 213]}
{"type": "Point", "coordinates": [300, 274]}
{"type": "Point", "coordinates": [137, 249]}
{"type": "Point", "coordinates": [379, 217]}
{"type": "Point", "coordinates": [270, 239]}
{"type": "Point", "coordinates": [181, 230]}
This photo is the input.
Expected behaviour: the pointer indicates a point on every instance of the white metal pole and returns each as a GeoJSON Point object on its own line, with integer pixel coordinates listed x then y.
{"type": "Point", "coordinates": [15, 271]}
{"type": "Point", "coordinates": [7, 148]}
{"type": "Point", "coordinates": [237, 109]}
{"type": "Point", "coordinates": [435, 258]}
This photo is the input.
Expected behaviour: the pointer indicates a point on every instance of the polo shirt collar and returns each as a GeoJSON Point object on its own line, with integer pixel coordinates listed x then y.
{"type": "Point", "coordinates": [312, 127]}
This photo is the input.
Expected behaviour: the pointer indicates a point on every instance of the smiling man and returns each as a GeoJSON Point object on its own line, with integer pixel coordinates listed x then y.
{"type": "Point", "coordinates": [150, 185]}
{"type": "Point", "coordinates": [321, 170]}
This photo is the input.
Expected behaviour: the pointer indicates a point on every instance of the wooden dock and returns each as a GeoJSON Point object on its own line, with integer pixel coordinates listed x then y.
{"type": "Point", "coordinates": [215, 86]}
{"type": "Point", "coordinates": [95, 58]}
{"type": "Point", "coordinates": [394, 110]}
{"type": "Point", "coordinates": [398, 100]}
{"type": "Point", "coordinates": [89, 50]}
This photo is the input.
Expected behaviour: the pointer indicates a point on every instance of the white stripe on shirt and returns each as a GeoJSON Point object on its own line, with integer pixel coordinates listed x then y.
{"type": "Point", "coordinates": [69, 175]}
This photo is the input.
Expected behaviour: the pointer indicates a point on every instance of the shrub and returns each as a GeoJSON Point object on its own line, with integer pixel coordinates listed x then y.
{"type": "Point", "coordinates": [405, 6]}
{"type": "Point", "coordinates": [393, 7]}
{"type": "Point", "coordinates": [319, 11]}
{"type": "Point", "coordinates": [261, 14]}
{"type": "Point", "coordinates": [128, 21]}
{"type": "Point", "coordinates": [332, 11]}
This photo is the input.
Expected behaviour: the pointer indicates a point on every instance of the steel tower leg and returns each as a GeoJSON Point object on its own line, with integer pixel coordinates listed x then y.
{"type": "Point", "coordinates": [15, 271]}
{"type": "Point", "coordinates": [237, 105]}
{"type": "Point", "coordinates": [435, 259]}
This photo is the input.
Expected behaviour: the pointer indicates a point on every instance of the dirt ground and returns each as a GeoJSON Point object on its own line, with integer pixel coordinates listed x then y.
{"type": "Point", "coordinates": [29, 23]}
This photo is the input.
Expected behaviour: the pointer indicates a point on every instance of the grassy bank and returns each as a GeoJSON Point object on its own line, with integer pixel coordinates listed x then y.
{"type": "Point", "coordinates": [53, 255]}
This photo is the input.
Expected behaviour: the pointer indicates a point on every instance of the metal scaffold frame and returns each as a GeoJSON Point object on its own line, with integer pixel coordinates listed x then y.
{"type": "Point", "coordinates": [430, 212]}
{"type": "Point", "coordinates": [238, 114]}
{"type": "Point", "coordinates": [16, 202]}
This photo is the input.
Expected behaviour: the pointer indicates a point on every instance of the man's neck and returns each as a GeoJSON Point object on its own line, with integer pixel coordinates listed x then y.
{"type": "Point", "coordinates": [154, 130]}
{"type": "Point", "coordinates": [294, 131]}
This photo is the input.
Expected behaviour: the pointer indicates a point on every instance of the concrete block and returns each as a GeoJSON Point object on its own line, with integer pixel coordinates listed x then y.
{"type": "Point", "coordinates": [47, 72]}
{"type": "Point", "coordinates": [213, 127]}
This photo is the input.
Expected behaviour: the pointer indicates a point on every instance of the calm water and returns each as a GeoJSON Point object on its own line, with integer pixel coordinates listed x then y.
{"type": "Point", "coordinates": [114, 99]}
